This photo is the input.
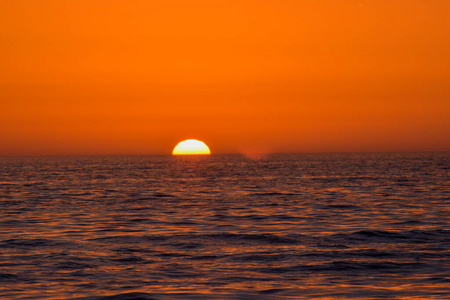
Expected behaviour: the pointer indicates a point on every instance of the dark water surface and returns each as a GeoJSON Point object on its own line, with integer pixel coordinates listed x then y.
{"type": "Point", "coordinates": [297, 226]}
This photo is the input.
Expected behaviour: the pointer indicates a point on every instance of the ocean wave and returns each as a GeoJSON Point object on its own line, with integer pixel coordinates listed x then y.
{"type": "Point", "coordinates": [355, 267]}
{"type": "Point", "coordinates": [29, 242]}
{"type": "Point", "coordinates": [272, 194]}
{"type": "Point", "coordinates": [262, 238]}
{"type": "Point", "coordinates": [411, 236]}
{"type": "Point", "coordinates": [8, 277]}
{"type": "Point", "coordinates": [125, 296]}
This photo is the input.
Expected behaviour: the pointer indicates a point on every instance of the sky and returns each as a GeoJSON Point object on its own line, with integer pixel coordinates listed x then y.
{"type": "Point", "coordinates": [105, 77]}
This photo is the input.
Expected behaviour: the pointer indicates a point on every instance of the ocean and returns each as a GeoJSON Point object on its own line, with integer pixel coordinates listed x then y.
{"type": "Point", "coordinates": [284, 226]}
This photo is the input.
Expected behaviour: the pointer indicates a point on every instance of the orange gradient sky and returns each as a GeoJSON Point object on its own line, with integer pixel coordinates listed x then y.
{"type": "Point", "coordinates": [138, 76]}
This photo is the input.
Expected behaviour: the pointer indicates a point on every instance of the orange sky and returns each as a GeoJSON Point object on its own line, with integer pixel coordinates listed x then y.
{"type": "Point", "coordinates": [138, 76]}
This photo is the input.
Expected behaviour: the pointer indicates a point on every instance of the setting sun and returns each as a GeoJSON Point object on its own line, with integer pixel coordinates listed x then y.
{"type": "Point", "coordinates": [191, 147]}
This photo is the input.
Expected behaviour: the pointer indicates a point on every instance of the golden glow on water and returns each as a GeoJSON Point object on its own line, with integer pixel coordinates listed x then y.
{"type": "Point", "coordinates": [217, 227]}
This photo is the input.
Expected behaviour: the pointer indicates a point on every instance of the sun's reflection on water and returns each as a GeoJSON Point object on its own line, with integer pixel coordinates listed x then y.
{"type": "Point", "coordinates": [219, 227]}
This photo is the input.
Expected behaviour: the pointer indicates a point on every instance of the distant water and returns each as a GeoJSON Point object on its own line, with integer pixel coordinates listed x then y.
{"type": "Point", "coordinates": [297, 226]}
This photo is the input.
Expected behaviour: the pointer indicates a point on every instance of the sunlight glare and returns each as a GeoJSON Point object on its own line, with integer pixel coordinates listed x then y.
{"type": "Point", "coordinates": [191, 147]}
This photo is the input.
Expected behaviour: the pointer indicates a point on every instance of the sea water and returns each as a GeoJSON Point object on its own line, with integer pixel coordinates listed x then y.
{"type": "Point", "coordinates": [285, 226]}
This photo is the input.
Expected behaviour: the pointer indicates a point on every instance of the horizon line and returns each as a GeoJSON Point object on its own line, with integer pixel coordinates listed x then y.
{"type": "Point", "coordinates": [225, 153]}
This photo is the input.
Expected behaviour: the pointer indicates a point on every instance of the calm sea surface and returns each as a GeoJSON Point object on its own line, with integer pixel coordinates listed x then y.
{"type": "Point", "coordinates": [290, 226]}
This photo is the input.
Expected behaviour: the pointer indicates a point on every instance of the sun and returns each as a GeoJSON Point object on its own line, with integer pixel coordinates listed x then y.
{"type": "Point", "coordinates": [191, 147]}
